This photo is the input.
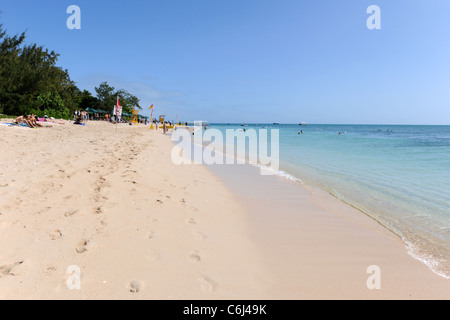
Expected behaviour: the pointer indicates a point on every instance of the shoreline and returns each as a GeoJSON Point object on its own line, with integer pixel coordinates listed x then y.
{"type": "Point", "coordinates": [432, 262]}
{"type": "Point", "coordinates": [361, 227]}
{"type": "Point", "coordinates": [429, 261]}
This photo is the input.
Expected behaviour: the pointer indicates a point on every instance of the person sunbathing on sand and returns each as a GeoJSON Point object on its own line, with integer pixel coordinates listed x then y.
{"type": "Point", "coordinates": [25, 120]}
{"type": "Point", "coordinates": [32, 120]}
{"type": "Point", "coordinates": [20, 119]}
{"type": "Point", "coordinates": [51, 120]}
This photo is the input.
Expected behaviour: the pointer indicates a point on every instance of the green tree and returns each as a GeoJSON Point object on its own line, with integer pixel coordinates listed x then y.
{"type": "Point", "coordinates": [31, 81]}
{"type": "Point", "coordinates": [52, 105]}
{"type": "Point", "coordinates": [28, 72]}
{"type": "Point", "coordinates": [10, 49]}
{"type": "Point", "coordinates": [128, 101]}
{"type": "Point", "coordinates": [88, 101]}
{"type": "Point", "coordinates": [107, 97]}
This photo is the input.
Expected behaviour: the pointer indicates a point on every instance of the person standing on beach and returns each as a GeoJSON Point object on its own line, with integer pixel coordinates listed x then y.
{"type": "Point", "coordinates": [164, 128]}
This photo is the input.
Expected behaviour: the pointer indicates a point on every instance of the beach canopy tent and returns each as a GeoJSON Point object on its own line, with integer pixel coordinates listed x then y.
{"type": "Point", "coordinates": [91, 110]}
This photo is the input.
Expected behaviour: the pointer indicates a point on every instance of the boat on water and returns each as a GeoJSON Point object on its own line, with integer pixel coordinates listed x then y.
{"type": "Point", "coordinates": [302, 124]}
{"type": "Point", "coordinates": [276, 123]}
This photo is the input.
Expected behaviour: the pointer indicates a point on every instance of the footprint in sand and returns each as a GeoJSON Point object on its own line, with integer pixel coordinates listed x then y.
{"type": "Point", "coordinates": [55, 235]}
{"type": "Point", "coordinates": [159, 201]}
{"type": "Point", "coordinates": [82, 246]}
{"type": "Point", "coordinates": [153, 256]}
{"type": "Point", "coordinates": [70, 213]}
{"type": "Point", "coordinates": [198, 182]}
{"type": "Point", "coordinates": [193, 209]}
{"type": "Point", "coordinates": [135, 286]}
{"type": "Point", "coordinates": [206, 284]}
{"type": "Point", "coordinates": [195, 256]}
{"type": "Point", "coordinates": [199, 236]}
{"type": "Point", "coordinates": [151, 235]}
{"type": "Point", "coordinates": [6, 270]}
{"type": "Point", "coordinates": [46, 209]}
{"type": "Point", "coordinates": [4, 185]}
{"type": "Point", "coordinates": [128, 173]}
{"type": "Point", "coordinates": [101, 183]}
{"type": "Point", "coordinates": [99, 198]}
{"type": "Point", "coordinates": [191, 221]}
{"type": "Point", "coordinates": [50, 269]}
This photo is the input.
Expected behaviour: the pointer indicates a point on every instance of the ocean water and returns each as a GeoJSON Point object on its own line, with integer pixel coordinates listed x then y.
{"type": "Point", "coordinates": [398, 175]}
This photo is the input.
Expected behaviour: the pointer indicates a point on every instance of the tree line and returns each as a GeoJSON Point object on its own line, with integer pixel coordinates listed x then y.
{"type": "Point", "coordinates": [31, 82]}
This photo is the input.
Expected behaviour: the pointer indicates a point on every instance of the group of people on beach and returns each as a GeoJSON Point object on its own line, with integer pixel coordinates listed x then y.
{"type": "Point", "coordinates": [80, 116]}
{"type": "Point", "coordinates": [31, 121]}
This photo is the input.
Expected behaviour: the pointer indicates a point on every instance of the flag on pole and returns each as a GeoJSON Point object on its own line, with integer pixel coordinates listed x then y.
{"type": "Point", "coordinates": [151, 117]}
{"type": "Point", "coordinates": [151, 108]}
{"type": "Point", "coordinates": [118, 108]}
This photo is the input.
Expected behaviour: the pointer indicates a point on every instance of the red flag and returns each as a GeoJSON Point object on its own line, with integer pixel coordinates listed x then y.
{"type": "Point", "coordinates": [118, 108]}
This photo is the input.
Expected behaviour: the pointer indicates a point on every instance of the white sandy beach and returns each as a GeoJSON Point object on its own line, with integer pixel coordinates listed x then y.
{"type": "Point", "coordinates": [140, 227]}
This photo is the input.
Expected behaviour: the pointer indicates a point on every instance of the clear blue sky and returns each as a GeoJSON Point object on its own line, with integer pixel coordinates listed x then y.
{"type": "Point", "coordinates": [256, 60]}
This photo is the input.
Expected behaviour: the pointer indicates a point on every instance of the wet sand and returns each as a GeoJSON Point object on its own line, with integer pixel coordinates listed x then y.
{"type": "Point", "coordinates": [317, 247]}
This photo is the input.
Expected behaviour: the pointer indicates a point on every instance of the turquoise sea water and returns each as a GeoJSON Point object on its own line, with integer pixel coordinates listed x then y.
{"type": "Point", "coordinates": [398, 175]}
